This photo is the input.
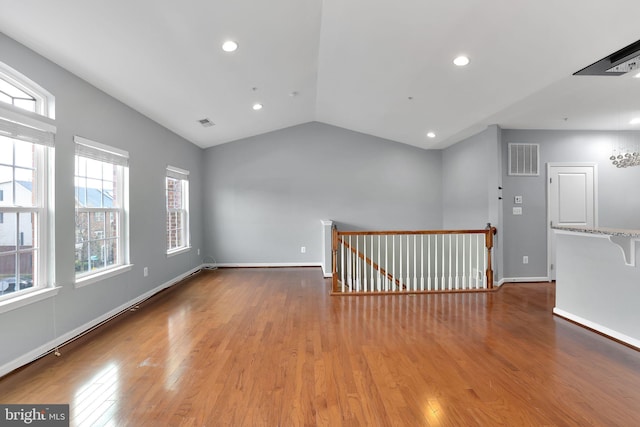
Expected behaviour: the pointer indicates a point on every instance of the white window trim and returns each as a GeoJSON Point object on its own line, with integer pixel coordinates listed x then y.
{"type": "Point", "coordinates": [44, 273]}
{"type": "Point", "coordinates": [27, 298]}
{"type": "Point", "coordinates": [123, 184]}
{"type": "Point", "coordinates": [178, 251]}
{"type": "Point", "coordinates": [38, 128]}
{"type": "Point", "coordinates": [181, 175]}
{"type": "Point", "coordinates": [101, 275]}
{"type": "Point", "coordinates": [45, 101]}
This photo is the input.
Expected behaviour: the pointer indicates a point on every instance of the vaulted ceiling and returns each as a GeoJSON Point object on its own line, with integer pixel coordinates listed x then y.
{"type": "Point", "coordinates": [379, 67]}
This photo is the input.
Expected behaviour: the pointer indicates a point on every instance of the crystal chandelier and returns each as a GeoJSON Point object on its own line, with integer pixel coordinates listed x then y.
{"type": "Point", "coordinates": [625, 158]}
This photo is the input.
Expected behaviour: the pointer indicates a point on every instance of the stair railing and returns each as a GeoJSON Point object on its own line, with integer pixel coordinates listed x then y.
{"type": "Point", "coordinates": [374, 262]}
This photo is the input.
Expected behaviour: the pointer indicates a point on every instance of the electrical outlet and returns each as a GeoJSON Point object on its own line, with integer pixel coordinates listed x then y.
{"type": "Point", "coordinates": [303, 249]}
{"type": "Point", "coordinates": [517, 200]}
{"type": "Point", "coordinates": [525, 259]}
{"type": "Point", "coordinates": [517, 210]}
{"type": "Point", "coordinates": [145, 272]}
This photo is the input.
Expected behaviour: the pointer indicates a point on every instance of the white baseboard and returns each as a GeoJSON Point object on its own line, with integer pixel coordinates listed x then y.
{"type": "Point", "coordinates": [523, 279]}
{"type": "Point", "coordinates": [268, 264]}
{"type": "Point", "coordinates": [597, 327]}
{"type": "Point", "coordinates": [325, 274]}
{"type": "Point", "coordinates": [51, 345]}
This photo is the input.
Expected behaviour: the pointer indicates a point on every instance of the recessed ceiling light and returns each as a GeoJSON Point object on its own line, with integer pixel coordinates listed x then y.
{"type": "Point", "coordinates": [257, 106]}
{"type": "Point", "coordinates": [635, 121]}
{"type": "Point", "coordinates": [229, 46]}
{"type": "Point", "coordinates": [461, 61]}
{"type": "Point", "coordinates": [637, 76]}
{"type": "Point", "coordinates": [431, 135]}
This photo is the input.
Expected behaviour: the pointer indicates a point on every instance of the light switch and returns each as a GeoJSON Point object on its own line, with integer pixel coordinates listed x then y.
{"type": "Point", "coordinates": [517, 210]}
{"type": "Point", "coordinates": [517, 200]}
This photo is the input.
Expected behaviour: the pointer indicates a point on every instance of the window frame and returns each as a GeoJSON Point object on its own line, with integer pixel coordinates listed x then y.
{"type": "Point", "coordinates": [119, 159]}
{"type": "Point", "coordinates": [182, 177]}
{"type": "Point", "coordinates": [45, 101]}
{"type": "Point", "coordinates": [38, 128]}
{"type": "Point", "coordinates": [40, 223]}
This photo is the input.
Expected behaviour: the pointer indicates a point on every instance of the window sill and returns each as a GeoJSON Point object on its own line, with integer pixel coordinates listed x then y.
{"type": "Point", "coordinates": [93, 278]}
{"type": "Point", "coordinates": [28, 298]}
{"type": "Point", "coordinates": [179, 251]}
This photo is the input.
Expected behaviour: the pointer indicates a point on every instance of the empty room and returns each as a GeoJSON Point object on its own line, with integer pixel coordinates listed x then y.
{"type": "Point", "coordinates": [319, 212]}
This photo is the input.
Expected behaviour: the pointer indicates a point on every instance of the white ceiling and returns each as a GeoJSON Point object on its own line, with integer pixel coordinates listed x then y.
{"type": "Point", "coordinates": [353, 63]}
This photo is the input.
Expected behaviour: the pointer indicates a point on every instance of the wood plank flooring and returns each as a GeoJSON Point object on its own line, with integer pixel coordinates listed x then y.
{"type": "Point", "coordinates": [270, 347]}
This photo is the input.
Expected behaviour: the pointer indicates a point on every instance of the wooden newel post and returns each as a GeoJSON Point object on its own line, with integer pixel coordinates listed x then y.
{"type": "Point", "coordinates": [491, 231]}
{"type": "Point", "coordinates": [334, 249]}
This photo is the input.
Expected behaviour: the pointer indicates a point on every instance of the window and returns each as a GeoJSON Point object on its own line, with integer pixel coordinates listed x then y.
{"type": "Point", "coordinates": [26, 177]}
{"type": "Point", "coordinates": [13, 95]}
{"type": "Point", "coordinates": [23, 94]}
{"type": "Point", "coordinates": [101, 197]}
{"type": "Point", "coordinates": [177, 195]}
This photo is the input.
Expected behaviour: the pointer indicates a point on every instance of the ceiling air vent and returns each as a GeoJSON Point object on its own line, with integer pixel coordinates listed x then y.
{"type": "Point", "coordinates": [524, 159]}
{"type": "Point", "coordinates": [617, 64]}
{"type": "Point", "coordinates": [206, 122]}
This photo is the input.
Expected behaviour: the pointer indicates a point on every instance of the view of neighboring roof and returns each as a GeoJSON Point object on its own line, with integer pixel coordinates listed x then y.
{"type": "Point", "coordinates": [93, 197]}
{"type": "Point", "coordinates": [85, 197]}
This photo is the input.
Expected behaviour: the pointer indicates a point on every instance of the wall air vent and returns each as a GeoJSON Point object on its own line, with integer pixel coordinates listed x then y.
{"type": "Point", "coordinates": [524, 159]}
{"type": "Point", "coordinates": [617, 64]}
{"type": "Point", "coordinates": [206, 122]}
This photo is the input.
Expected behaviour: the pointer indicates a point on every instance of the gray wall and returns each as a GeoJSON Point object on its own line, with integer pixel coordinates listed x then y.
{"type": "Point", "coordinates": [265, 195]}
{"type": "Point", "coordinates": [471, 172]}
{"type": "Point", "coordinates": [618, 204]}
{"type": "Point", "coordinates": [83, 110]}
{"type": "Point", "coordinates": [470, 181]}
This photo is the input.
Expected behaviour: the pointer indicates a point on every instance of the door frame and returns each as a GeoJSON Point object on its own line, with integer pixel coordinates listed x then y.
{"type": "Point", "coordinates": [550, 234]}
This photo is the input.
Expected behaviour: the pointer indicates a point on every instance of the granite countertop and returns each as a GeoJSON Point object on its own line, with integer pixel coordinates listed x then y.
{"type": "Point", "coordinates": [601, 230]}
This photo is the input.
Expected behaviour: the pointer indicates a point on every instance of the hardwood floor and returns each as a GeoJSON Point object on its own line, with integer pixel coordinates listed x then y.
{"type": "Point", "coordinates": [270, 347]}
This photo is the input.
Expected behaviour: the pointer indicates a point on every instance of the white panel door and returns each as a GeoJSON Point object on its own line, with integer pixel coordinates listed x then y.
{"type": "Point", "coordinates": [571, 201]}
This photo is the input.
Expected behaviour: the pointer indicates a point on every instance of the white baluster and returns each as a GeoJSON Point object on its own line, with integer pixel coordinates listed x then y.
{"type": "Point", "coordinates": [357, 255]}
{"type": "Point", "coordinates": [350, 266]}
{"type": "Point", "coordinates": [379, 266]}
{"type": "Point", "coordinates": [342, 266]}
{"type": "Point", "coordinates": [484, 263]}
{"type": "Point", "coordinates": [386, 262]}
{"type": "Point", "coordinates": [470, 261]}
{"type": "Point", "coordinates": [464, 258]}
{"type": "Point", "coordinates": [373, 280]}
{"type": "Point", "coordinates": [393, 262]}
{"type": "Point", "coordinates": [442, 279]}
{"type": "Point", "coordinates": [400, 262]}
{"type": "Point", "coordinates": [435, 262]}
{"type": "Point", "coordinates": [364, 263]}
{"type": "Point", "coordinates": [450, 278]}
{"type": "Point", "coordinates": [477, 259]}
{"type": "Point", "coordinates": [429, 262]}
{"type": "Point", "coordinates": [422, 262]}
{"type": "Point", "coordinates": [415, 265]}
{"type": "Point", "coordinates": [457, 263]}
{"type": "Point", "coordinates": [408, 266]}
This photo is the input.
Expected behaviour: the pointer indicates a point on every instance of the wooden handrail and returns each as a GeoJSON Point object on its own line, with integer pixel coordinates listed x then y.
{"type": "Point", "coordinates": [382, 233]}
